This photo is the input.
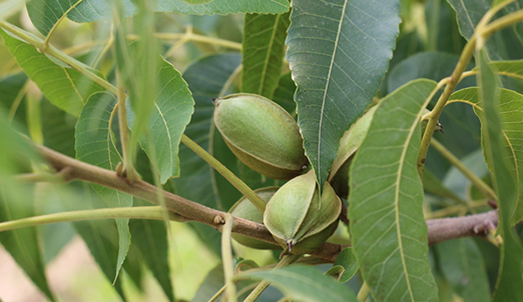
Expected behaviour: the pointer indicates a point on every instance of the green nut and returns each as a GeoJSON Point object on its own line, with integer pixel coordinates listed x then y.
{"type": "Point", "coordinates": [349, 144]}
{"type": "Point", "coordinates": [299, 219]}
{"type": "Point", "coordinates": [261, 134]}
{"type": "Point", "coordinates": [243, 208]}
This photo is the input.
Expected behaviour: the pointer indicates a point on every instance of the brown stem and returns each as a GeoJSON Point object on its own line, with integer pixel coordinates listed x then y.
{"type": "Point", "coordinates": [438, 229]}
{"type": "Point", "coordinates": [444, 229]}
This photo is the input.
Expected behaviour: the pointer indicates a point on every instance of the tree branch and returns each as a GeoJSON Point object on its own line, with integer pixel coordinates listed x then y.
{"type": "Point", "coordinates": [438, 229]}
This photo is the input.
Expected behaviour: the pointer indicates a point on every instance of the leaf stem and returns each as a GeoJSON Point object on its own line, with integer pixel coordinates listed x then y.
{"type": "Point", "coordinates": [476, 181]}
{"type": "Point", "coordinates": [483, 32]}
{"type": "Point", "coordinates": [364, 292]}
{"type": "Point", "coordinates": [48, 37]}
{"type": "Point", "coordinates": [128, 167]}
{"type": "Point", "coordinates": [150, 212]}
{"type": "Point", "coordinates": [228, 266]}
{"type": "Point", "coordinates": [258, 290]}
{"type": "Point", "coordinates": [233, 179]}
{"type": "Point", "coordinates": [191, 36]}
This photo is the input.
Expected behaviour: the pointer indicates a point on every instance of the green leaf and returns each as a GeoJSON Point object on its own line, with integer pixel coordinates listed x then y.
{"type": "Point", "coordinates": [45, 13]}
{"type": "Point", "coordinates": [150, 236]}
{"type": "Point", "coordinates": [509, 68]}
{"type": "Point", "coordinates": [462, 264]}
{"type": "Point", "coordinates": [304, 283]}
{"type": "Point", "coordinates": [501, 165]}
{"type": "Point", "coordinates": [94, 145]}
{"type": "Point", "coordinates": [17, 201]}
{"type": "Point", "coordinates": [338, 54]}
{"type": "Point", "coordinates": [433, 185]}
{"type": "Point", "coordinates": [58, 128]}
{"type": "Point", "coordinates": [65, 87]}
{"type": "Point", "coordinates": [389, 233]}
{"type": "Point", "coordinates": [171, 113]}
{"type": "Point", "coordinates": [94, 10]}
{"type": "Point", "coordinates": [347, 260]}
{"type": "Point", "coordinates": [263, 49]}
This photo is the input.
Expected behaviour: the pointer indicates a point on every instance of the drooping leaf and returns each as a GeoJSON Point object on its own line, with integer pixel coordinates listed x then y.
{"type": "Point", "coordinates": [502, 167]}
{"type": "Point", "coordinates": [389, 233]}
{"type": "Point", "coordinates": [338, 54]}
{"type": "Point", "coordinates": [304, 283]}
{"type": "Point", "coordinates": [171, 113]}
{"type": "Point", "coordinates": [94, 10]}
{"type": "Point", "coordinates": [263, 49]}
{"type": "Point", "coordinates": [17, 201]}
{"type": "Point", "coordinates": [94, 145]}
{"type": "Point", "coordinates": [45, 13]}
{"type": "Point", "coordinates": [150, 236]}
{"type": "Point", "coordinates": [462, 265]}
{"type": "Point", "coordinates": [65, 87]}
{"type": "Point", "coordinates": [510, 109]}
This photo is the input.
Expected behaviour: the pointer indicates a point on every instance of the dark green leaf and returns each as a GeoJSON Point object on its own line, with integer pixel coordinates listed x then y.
{"type": "Point", "coordinates": [171, 113]}
{"type": "Point", "coordinates": [462, 265]}
{"type": "Point", "coordinates": [389, 233]}
{"type": "Point", "coordinates": [501, 165]}
{"type": "Point", "coordinates": [263, 49]}
{"type": "Point", "coordinates": [65, 87]}
{"type": "Point", "coordinates": [94, 10]}
{"type": "Point", "coordinates": [95, 145]}
{"type": "Point", "coordinates": [57, 128]}
{"type": "Point", "coordinates": [433, 185]}
{"type": "Point", "coordinates": [304, 283]}
{"type": "Point", "coordinates": [150, 236]}
{"type": "Point", "coordinates": [338, 54]}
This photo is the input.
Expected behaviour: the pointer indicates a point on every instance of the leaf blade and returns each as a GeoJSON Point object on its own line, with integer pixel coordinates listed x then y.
{"type": "Point", "coordinates": [387, 225]}
{"type": "Point", "coordinates": [336, 80]}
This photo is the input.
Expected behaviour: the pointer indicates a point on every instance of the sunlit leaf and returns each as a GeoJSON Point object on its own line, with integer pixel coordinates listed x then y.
{"type": "Point", "coordinates": [94, 145]}
{"type": "Point", "coordinates": [171, 113]}
{"type": "Point", "coordinates": [338, 54]}
{"type": "Point", "coordinates": [304, 283]}
{"type": "Point", "coordinates": [501, 165]}
{"type": "Point", "coordinates": [389, 233]}
{"type": "Point", "coordinates": [94, 10]}
{"type": "Point", "coordinates": [462, 264]}
{"type": "Point", "coordinates": [263, 50]}
{"type": "Point", "coordinates": [65, 87]}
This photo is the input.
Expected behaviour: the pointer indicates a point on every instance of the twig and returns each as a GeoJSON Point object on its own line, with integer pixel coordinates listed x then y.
{"type": "Point", "coordinates": [439, 229]}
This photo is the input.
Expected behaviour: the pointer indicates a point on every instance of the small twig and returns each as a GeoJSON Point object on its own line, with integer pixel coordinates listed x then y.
{"type": "Point", "coordinates": [444, 229]}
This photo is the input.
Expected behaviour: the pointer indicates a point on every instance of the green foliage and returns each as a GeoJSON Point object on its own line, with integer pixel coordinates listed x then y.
{"type": "Point", "coordinates": [147, 93]}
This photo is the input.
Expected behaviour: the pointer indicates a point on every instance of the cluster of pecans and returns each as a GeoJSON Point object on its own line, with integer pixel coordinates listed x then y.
{"type": "Point", "coordinates": [267, 139]}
